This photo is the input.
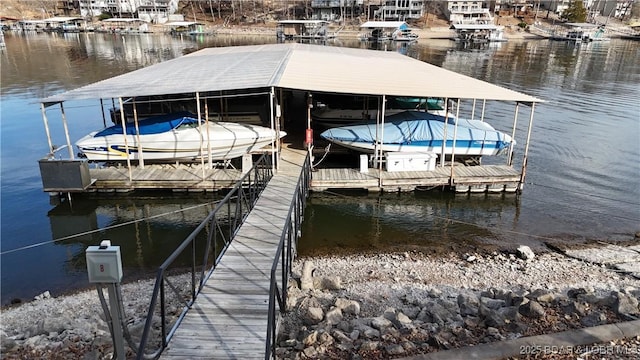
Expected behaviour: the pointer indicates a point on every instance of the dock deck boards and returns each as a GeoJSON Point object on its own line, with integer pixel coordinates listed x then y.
{"type": "Point", "coordinates": [191, 177]}
{"type": "Point", "coordinates": [163, 176]}
{"type": "Point", "coordinates": [463, 177]}
{"type": "Point", "coordinates": [229, 317]}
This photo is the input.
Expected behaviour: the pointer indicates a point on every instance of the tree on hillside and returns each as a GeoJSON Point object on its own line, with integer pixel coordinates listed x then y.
{"type": "Point", "coordinates": [576, 12]}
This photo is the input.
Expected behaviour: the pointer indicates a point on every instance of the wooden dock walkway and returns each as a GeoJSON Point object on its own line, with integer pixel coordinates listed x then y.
{"type": "Point", "coordinates": [229, 318]}
{"type": "Point", "coordinates": [466, 178]}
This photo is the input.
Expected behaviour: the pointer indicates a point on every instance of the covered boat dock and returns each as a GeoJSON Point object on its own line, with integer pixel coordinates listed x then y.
{"type": "Point", "coordinates": [303, 29]}
{"type": "Point", "coordinates": [382, 30]}
{"type": "Point", "coordinates": [233, 312]}
{"type": "Point", "coordinates": [282, 79]}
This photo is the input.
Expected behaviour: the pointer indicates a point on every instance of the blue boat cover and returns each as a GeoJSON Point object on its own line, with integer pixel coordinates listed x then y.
{"type": "Point", "coordinates": [153, 125]}
{"type": "Point", "coordinates": [415, 127]}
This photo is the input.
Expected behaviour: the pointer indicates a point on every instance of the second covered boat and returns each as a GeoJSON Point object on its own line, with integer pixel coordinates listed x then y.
{"type": "Point", "coordinates": [417, 131]}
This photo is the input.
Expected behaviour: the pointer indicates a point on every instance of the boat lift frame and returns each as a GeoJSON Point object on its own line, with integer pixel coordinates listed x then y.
{"type": "Point", "coordinates": [379, 153]}
{"type": "Point", "coordinates": [274, 115]}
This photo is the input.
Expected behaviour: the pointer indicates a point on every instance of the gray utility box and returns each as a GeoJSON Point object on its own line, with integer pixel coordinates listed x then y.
{"type": "Point", "coordinates": [64, 175]}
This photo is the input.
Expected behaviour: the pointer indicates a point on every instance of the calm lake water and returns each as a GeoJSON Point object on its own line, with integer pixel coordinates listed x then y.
{"type": "Point", "coordinates": [582, 178]}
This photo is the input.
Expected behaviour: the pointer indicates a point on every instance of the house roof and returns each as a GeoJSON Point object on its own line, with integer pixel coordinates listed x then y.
{"type": "Point", "coordinates": [181, 23]}
{"type": "Point", "coordinates": [384, 24]}
{"type": "Point", "coordinates": [62, 19]}
{"type": "Point", "coordinates": [302, 22]}
{"type": "Point", "coordinates": [582, 25]}
{"type": "Point", "coordinates": [123, 20]}
{"type": "Point", "coordinates": [476, 27]}
{"type": "Point", "coordinates": [295, 66]}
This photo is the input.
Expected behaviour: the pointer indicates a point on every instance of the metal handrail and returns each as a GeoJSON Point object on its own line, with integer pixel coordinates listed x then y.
{"type": "Point", "coordinates": [232, 209]}
{"type": "Point", "coordinates": [285, 254]}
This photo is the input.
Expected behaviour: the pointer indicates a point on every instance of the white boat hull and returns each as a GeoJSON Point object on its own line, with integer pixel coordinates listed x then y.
{"type": "Point", "coordinates": [223, 141]}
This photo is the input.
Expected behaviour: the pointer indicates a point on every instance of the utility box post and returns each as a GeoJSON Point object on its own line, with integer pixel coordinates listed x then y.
{"type": "Point", "coordinates": [104, 266]}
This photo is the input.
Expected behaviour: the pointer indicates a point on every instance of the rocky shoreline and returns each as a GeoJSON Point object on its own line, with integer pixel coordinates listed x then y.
{"type": "Point", "coordinates": [398, 305]}
{"type": "Point", "coordinates": [377, 306]}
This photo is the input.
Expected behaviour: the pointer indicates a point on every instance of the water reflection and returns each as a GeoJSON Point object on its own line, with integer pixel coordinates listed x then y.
{"type": "Point", "coordinates": [147, 228]}
{"type": "Point", "coordinates": [424, 220]}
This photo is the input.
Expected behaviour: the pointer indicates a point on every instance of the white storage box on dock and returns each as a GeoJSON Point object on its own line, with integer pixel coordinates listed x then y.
{"type": "Point", "coordinates": [411, 161]}
{"type": "Point", "coordinates": [364, 163]}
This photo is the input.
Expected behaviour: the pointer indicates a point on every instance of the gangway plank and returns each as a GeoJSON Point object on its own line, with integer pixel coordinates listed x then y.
{"type": "Point", "coordinates": [229, 319]}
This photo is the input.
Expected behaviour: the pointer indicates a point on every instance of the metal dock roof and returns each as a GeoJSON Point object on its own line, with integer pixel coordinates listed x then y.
{"type": "Point", "coordinates": [294, 66]}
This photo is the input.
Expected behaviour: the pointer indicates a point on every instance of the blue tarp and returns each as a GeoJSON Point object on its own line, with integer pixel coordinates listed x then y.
{"type": "Point", "coordinates": [414, 127]}
{"type": "Point", "coordinates": [153, 125]}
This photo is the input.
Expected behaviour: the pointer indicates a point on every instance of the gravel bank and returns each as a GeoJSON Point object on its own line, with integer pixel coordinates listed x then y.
{"type": "Point", "coordinates": [369, 306]}
{"type": "Point", "coordinates": [397, 305]}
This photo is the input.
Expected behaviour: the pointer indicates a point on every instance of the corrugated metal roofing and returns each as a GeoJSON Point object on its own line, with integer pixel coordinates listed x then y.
{"type": "Point", "coordinates": [475, 27]}
{"type": "Point", "coordinates": [303, 22]}
{"type": "Point", "coordinates": [295, 66]}
{"type": "Point", "coordinates": [383, 24]}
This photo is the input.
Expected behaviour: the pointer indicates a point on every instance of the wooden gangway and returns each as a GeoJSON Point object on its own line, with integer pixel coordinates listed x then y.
{"type": "Point", "coordinates": [229, 318]}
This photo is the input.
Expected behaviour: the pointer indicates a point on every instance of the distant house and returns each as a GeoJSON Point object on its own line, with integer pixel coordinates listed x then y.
{"type": "Point", "coordinates": [334, 10]}
{"type": "Point", "coordinates": [462, 11]}
{"type": "Point", "coordinates": [383, 10]}
{"type": "Point", "coordinates": [157, 11]}
{"type": "Point", "coordinates": [401, 10]}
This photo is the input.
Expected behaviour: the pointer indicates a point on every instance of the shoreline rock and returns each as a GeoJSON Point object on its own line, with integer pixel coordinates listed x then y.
{"type": "Point", "coordinates": [417, 304]}
{"type": "Point", "coordinates": [369, 306]}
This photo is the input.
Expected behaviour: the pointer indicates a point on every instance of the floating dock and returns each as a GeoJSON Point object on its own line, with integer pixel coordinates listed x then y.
{"type": "Point", "coordinates": [481, 178]}
{"type": "Point", "coordinates": [284, 78]}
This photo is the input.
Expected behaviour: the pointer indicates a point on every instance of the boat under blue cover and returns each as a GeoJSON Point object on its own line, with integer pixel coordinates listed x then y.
{"type": "Point", "coordinates": [417, 131]}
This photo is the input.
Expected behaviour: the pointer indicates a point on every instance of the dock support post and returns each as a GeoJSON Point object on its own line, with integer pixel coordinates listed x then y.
{"type": "Point", "coordinates": [66, 131]}
{"type": "Point", "coordinates": [123, 123]}
{"type": "Point", "coordinates": [201, 139]}
{"type": "Point", "coordinates": [206, 119]}
{"type": "Point", "coordinates": [46, 128]}
{"type": "Point", "coordinates": [381, 140]}
{"type": "Point", "coordinates": [309, 131]}
{"type": "Point", "coordinates": [446, 120]}
{"type": "Point", "coordinates": [455, 134]}
{"type": "Point", "coordinates": [135, 122]}
{"type": "Point", "coordinates": [513, 135]}
{"type": "Point", "coordinates": [276, 140]}
{"type": "Point", "coordinates": [104, 119]}
{"type": "Point", "coordinates": [526, 150]}
{"type": "Point", "coordinates": [473, 109]}
{"type": "Point", "coordinates": [484, 104]}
